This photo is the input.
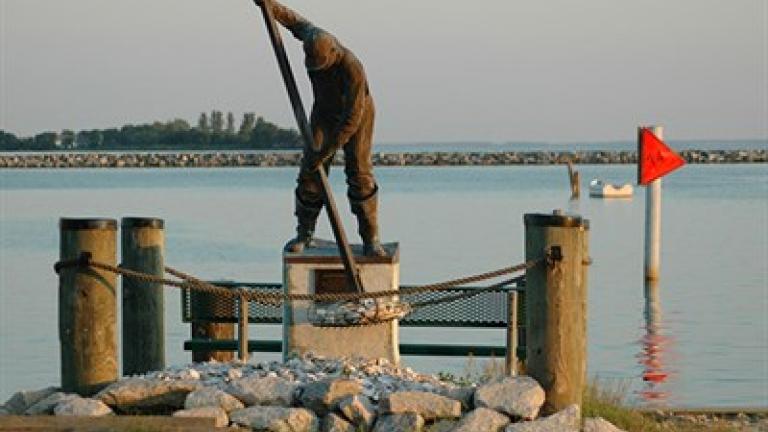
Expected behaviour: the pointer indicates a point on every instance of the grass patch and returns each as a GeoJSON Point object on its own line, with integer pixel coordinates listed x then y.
{"type": "Point", "coordinates": [608, 399]}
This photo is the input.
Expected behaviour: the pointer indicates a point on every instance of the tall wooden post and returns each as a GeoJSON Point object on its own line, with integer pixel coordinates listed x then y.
{"type": "Point", "coordinates": [653, 221]}
{"type": "Point", "coordinates": [556, 306]}
{"type": "Point", "coordinates": [143, 249]}
{"type": "Point", "coordinates": [87, 306]}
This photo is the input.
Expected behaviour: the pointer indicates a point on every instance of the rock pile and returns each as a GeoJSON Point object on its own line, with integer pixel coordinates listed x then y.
{"type": "Point", "coordinates": [313, 394]}
{"type": "Point", "coordinates": [293, 158]}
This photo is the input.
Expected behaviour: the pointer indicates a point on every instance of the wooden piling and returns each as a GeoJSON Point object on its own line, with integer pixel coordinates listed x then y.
{"type": "Point", "coordinates": [208, 310]}
{"type": "Point", "coordinates": [143, 249]}
{"type": "Point", "coordinates": [213, 331]}
{"type": "Point", "coordinates": [556, 306]}
{"type": "Point", "coordinates": [87, 306]}
{"type": "Point", "coordinates": [575, 179]}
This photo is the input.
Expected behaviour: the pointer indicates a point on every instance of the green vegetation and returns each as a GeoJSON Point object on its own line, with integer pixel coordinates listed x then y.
{"type": "Point", "coordinates": [608, 400]}
{"type": "Point", "coordinates": [214, 131]}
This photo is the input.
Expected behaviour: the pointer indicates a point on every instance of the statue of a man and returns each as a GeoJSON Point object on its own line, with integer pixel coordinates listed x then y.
{"type": "Point", "coordinates": [342, 117]}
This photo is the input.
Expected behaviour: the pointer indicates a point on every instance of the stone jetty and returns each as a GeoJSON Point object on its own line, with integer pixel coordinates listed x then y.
{"type": "Point", "coordinates": [314, 394]}
{"type": "Point", "coordinates": [287, 158]}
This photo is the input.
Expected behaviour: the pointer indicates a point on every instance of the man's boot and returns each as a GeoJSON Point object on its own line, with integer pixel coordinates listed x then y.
{"type": "Point", "coordinates": [307, 217]}
{"type": "Point", "coordinates": [367, 224]}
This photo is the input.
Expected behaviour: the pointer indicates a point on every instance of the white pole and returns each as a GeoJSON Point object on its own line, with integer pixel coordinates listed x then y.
{"type": "Point", "coordinates": [653, 221]}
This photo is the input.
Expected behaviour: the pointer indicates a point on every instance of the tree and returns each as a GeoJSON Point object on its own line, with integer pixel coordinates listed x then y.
{"type": "Point", "coordinates": [67, 139]}
{"type": "Point", "coordinates": [246, 127]}
{"type": "Point", "coordinates": [230, 123]}
{"type": "Point", "coordinates": [92, 139]}
{"type": "Point", "coordinates": [217, 121]}
{"type": "Point", "coordinates": [212, 131]}
{"type": "Point", "coordinates": [9, 141]}
{"type": "Point", "coordinates": [44, 141]}
{"type": "Point", "coordinates": [202, 123]}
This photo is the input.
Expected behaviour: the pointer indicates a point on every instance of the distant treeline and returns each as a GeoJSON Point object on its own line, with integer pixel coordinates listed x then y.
{"type": "Point", "coordinates": [213, 131]}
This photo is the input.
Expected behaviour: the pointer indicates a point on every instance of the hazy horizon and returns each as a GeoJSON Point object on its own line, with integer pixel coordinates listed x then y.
{"type": "Point", "coordinates": [521, 71]}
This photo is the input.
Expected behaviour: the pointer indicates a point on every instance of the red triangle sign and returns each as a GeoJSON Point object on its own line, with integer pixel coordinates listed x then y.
{"type": "Point", "coordinates": [656, 159]}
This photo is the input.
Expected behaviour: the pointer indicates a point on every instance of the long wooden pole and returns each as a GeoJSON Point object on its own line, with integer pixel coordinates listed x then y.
{"type": "Point", "coordinates": [653, 220]}
{"type": "Point", "coordinates": [347, 257]}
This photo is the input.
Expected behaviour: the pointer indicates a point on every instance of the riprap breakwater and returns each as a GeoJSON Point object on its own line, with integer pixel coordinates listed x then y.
{"type": "Point", "coordinates": [282, 159]}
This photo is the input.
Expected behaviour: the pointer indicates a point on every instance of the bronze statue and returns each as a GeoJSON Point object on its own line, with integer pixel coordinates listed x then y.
{"type": "Point", "coordinates": [342, 117]}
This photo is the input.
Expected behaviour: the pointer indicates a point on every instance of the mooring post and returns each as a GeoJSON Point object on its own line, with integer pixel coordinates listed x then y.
{"type": "Point", "coordinates": [87, 306]}
{"type": "Point", "coordinates": [512, 327]}
{"type": "Point", "coordinates": [575, 179]}
{"type": "Point", "coordinates": [143, 249]}
{"type": "Point", "coordinates": [556, 306]}
{"type": "Point", "coordinates": [653, 220]}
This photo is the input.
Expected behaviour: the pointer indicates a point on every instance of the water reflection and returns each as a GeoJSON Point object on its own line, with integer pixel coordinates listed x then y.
{"type": "Point", "coordinates": [654, 346]}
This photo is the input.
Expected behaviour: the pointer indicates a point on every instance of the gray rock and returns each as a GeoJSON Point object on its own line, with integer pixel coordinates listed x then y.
{"type": "Point", "coordinates": [428, 405]}
{"type": "Point", "coordinates": [599, 424]}
{"type": "Point", "coordinates": [141, 393]}
{"type": "Point", "coordinates": [334, 423]}
{"type": "Point", "coordinates": [518, 396]}
{"type": "Point", "coordinates": [255, 390]}
{"type": "Point", "coordinates": [358, 410]}
{"type": "Point", "coordinates": [276, 419]}
{"type": "Point", "coordinates": [82, 407]}
{"type": "Point", "coordinates": [443, 425]}
{"type": "Point", "coordinates": [566, 420]}
{"type": "Point", "coordinates": [212, 397]}
{"type": "Point", "coordinates": [465, 395]}
{"type": "Point", "coordinates": [46, 405]}
{"type": "Point", "coordinates": [407, 422]}
{"type": "Point", "coordinates": [216, 413]}
{"type": "Point", "coordinates": [324, 396]}
{"type": "Point", "coordinates": [482, 420]}
{"type": "Point", "coordinates": [21, 401]}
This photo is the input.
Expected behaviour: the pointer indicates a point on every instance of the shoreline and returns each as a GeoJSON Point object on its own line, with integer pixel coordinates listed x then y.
{"type": "Point", "coordinates": [288, 159]}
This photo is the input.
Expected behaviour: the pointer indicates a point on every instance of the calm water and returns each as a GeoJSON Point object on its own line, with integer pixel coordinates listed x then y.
{"type": "Point", "coordinates": [704, 338]}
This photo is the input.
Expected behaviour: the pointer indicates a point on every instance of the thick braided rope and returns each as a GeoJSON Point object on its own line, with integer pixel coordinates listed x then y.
{"type": "Point", "coordinates": [194, 284]}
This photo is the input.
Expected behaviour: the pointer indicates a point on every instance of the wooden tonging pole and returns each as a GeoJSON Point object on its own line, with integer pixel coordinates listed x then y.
{"type": "Point", "coordinates": [353, 278]}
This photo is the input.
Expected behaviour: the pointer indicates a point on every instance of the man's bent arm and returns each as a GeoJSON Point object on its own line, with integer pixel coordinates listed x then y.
{"type": "Point", "coordinates": [301, 27]}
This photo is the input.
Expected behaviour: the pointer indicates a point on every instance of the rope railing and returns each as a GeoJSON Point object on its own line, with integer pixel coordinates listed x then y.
{"type": "Point", "coordinates": [189, 282]}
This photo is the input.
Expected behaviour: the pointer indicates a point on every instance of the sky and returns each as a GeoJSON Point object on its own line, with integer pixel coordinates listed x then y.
{"type": "Point", "coordinates": [439, 71]}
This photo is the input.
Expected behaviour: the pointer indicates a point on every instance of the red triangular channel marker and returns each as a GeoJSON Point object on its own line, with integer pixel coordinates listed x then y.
{"type": "Point", "coordinates": [656, 158]}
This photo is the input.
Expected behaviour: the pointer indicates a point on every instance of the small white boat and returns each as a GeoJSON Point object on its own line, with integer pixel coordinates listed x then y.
{"type": "Point", "coordinates": [599, 189]}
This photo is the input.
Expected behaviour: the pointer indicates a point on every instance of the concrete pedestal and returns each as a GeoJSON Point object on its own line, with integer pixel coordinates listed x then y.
{"type": "Point", "coordinates": [320, 270]}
